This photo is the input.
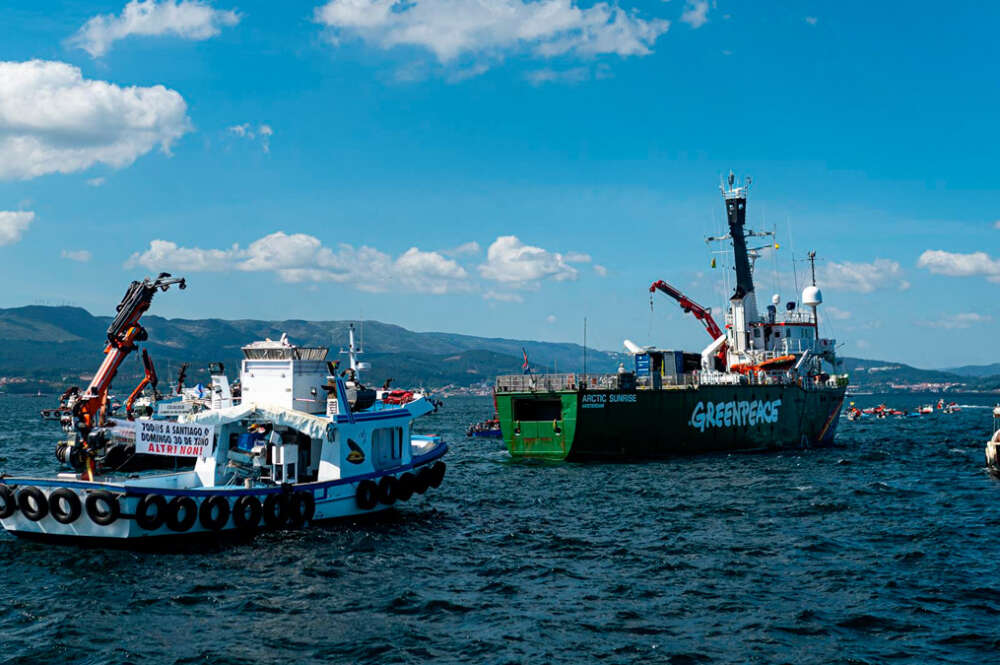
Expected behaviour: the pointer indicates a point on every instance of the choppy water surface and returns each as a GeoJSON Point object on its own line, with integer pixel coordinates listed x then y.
{"type": "Point", "coordinates": [884, 548]}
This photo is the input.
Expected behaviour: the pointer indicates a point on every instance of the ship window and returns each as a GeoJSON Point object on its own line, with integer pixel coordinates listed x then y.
{"type": "Point", "coordinates": [538, 409]}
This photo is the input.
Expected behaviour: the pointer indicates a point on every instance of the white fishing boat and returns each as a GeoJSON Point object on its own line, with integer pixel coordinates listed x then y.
{"type": "Point", "coordinates": [300, 448]}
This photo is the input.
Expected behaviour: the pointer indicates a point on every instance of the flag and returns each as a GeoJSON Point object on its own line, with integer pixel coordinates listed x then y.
{"type": "Point", "coordinates": [524, 365]}
{"type": "Point", "coordinates": [713, 261]}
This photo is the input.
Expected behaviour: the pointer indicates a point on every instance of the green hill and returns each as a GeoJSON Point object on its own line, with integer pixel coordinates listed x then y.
{"type": "Point", "coordinates": [61, 343]}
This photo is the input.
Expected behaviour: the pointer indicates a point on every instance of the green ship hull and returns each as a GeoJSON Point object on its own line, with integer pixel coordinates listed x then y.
{"type": "Point", "coordinates": [577, 425]}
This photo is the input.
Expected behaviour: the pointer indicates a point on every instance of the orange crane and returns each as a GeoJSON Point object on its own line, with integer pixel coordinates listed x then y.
{"type": "Point", "coordinates": [89, 408]}
{"type": "Point", "coordinates": [690, 307]}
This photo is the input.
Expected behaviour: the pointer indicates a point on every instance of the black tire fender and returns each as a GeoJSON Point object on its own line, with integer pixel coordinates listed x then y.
{"type": "Point", "coordinates": [437, 474]}
{"type": "Point", "coordinates": [247, 512]}
{"type": "Point", "coordinates": [275, 510]}
{"type": "Point", "coordinates": [32, 503]}
{"type": "Point", "coordinates": [423, 480]}
{"type": "Point", "coordinates": [366, 495]}
{"type": "Point", "coordinates": [100, 517]}
{"type": "Point", "coordinates": [214, 512]}
{"type": "Point", "coordinates": [151, 520]}
{"type": "Point", "coordinates": [68, 498]}
{"type": "Point", "coordinates": [8, 502]}
{"type": "Point", "coordinates": [388, 490]}
{"type": "Point", "coordinates": [406, 487]}
{"type": "Point", "coordinates": [182, 513]}
{"type": "Point", "coordinates": [301, 508]}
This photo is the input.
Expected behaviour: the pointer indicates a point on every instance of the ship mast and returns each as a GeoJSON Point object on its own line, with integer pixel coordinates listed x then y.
{"type": "Point", "coordinates": [743, 302]}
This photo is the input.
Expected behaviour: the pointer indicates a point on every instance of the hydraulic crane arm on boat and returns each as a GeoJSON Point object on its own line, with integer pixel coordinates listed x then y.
{"type": "Point", "coordinates": [149, 379]}
{"type": "Point", "coordinates": [123, 333]}
{"type": "Point", "coordinates": [689, 306]}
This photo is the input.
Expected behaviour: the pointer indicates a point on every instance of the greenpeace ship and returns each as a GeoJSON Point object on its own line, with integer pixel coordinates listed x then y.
{"type": "Point", "coordinates": [760, 384]}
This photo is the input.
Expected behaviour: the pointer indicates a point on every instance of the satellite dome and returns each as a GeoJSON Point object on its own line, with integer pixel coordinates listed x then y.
{"type": "Point", "coordinates": [812, 296]}
{"type": "Point", "coordinates": [775, 299]}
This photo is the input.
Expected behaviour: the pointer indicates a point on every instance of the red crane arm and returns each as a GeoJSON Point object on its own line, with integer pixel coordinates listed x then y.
{"type": "Point", "coordinates": [689, 306]}
{"type": "Point", "coordinates": [123, 333]}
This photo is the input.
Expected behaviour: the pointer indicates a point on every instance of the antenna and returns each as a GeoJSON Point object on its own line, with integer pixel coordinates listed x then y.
{"type": "Point", "coordinates": [584, 353]}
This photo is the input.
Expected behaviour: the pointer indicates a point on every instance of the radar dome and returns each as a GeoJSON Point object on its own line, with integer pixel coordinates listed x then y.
{"type": "Point", "coordinates": [775, 299]}
{"type": "Point", "coordinates": [812, 296]}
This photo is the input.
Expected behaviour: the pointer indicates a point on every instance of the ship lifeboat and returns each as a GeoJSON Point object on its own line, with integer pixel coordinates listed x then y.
{"type": "Point", "coordinates": [771, 365]}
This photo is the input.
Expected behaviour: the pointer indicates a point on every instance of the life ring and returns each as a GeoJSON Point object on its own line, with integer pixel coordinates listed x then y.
{"type": "Point", "coordinates": [387, 492]}
{"type": "Point", "coordinates": [437, 474]}
{"type": "Point", "coordinates": [423, 480]}
{"type": "Point", "coordinates": [150, 521]}
{"type": "Point", "coordinates": [406, 486]}
{"type": "Point", "coordinates": [275, 510]}
{"type": "Point", "coordinates": [182, 513]}
{"type": "Point", "coordinates": [8, 503]}
{"type": "Point", "coordinates": [246, 512]}
{"type": "Point", "coordinates": [64, 505]}
{"type": "Point", "coordinates": [214, 512]}
{"type": "Point", "coordinates": [98, 514]}
{"type": "Point", "coordinates": [32, 503]}
{"type": "Point", "coordinates": [301, 508]}
{"type": "Point", "coordinates": [367, 495]}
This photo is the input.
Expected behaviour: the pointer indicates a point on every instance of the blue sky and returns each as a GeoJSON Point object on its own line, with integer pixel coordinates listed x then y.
{"type": "Point", "coordinates": [505, 168]}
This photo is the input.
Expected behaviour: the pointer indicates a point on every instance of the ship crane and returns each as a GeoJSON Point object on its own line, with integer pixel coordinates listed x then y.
{"type": "Point", "coordinates": [690, 307]}
{"type": "Point", "coordinates": [123, 333]}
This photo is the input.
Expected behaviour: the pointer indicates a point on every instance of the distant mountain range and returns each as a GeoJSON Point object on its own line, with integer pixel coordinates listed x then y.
{"type": "Point", "coordinates": [57, 345]}
{"type": "Point", "coordinates": [978, 371]}
{"type": "Point", "coordinates": [61, 343]}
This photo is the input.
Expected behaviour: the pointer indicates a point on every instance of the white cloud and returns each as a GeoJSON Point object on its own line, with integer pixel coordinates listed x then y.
{"type": "Point", "coordinates": [262, 133]}
{"type": "Point", "coordinates": [960, 265]}
{"type": "Point", "coordinates": [551, 318]}
{"type": "Point", "coordinates": [187, 19]}
{"type": "Point", "coordinates": [811, 20]}
{"type": "Point", "coordinates": [600, 270]}
{"type": "Point", "coordinates": [510, 261]}
{"type": "Point", "coordinates": [695, 13]}
{"type": "Point", "coordinates": [300, 258]}
{"type": "Point", "coordinates": [490, 29]}
{"type": "Point", "coordinates": [13, 224]}
{"type": "Point", "coordinates": [836, 313]}
{"type": "Point", "coordinates": [547, 75]}
{"type": "Point", "coordinates": [502, 297]}
{"type": "Point", "coordinates": [78, 255]}
{"type": "Point", "coordinates": [52, 120]}
{"type": "Point", "coordinates": [957, 321]}
{"type": "Point", "coordinates": [996, 224]}
{"type": "Point", "coordinates": [96, 182]}
{"type": "Point", "coordinates": [466, 248]}
{"type": "Point", "coordinates": [863, 277]}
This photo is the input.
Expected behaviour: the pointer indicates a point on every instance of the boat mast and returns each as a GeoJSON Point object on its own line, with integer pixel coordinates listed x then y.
{"type": "Point", "coordinates": [743, 302]}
